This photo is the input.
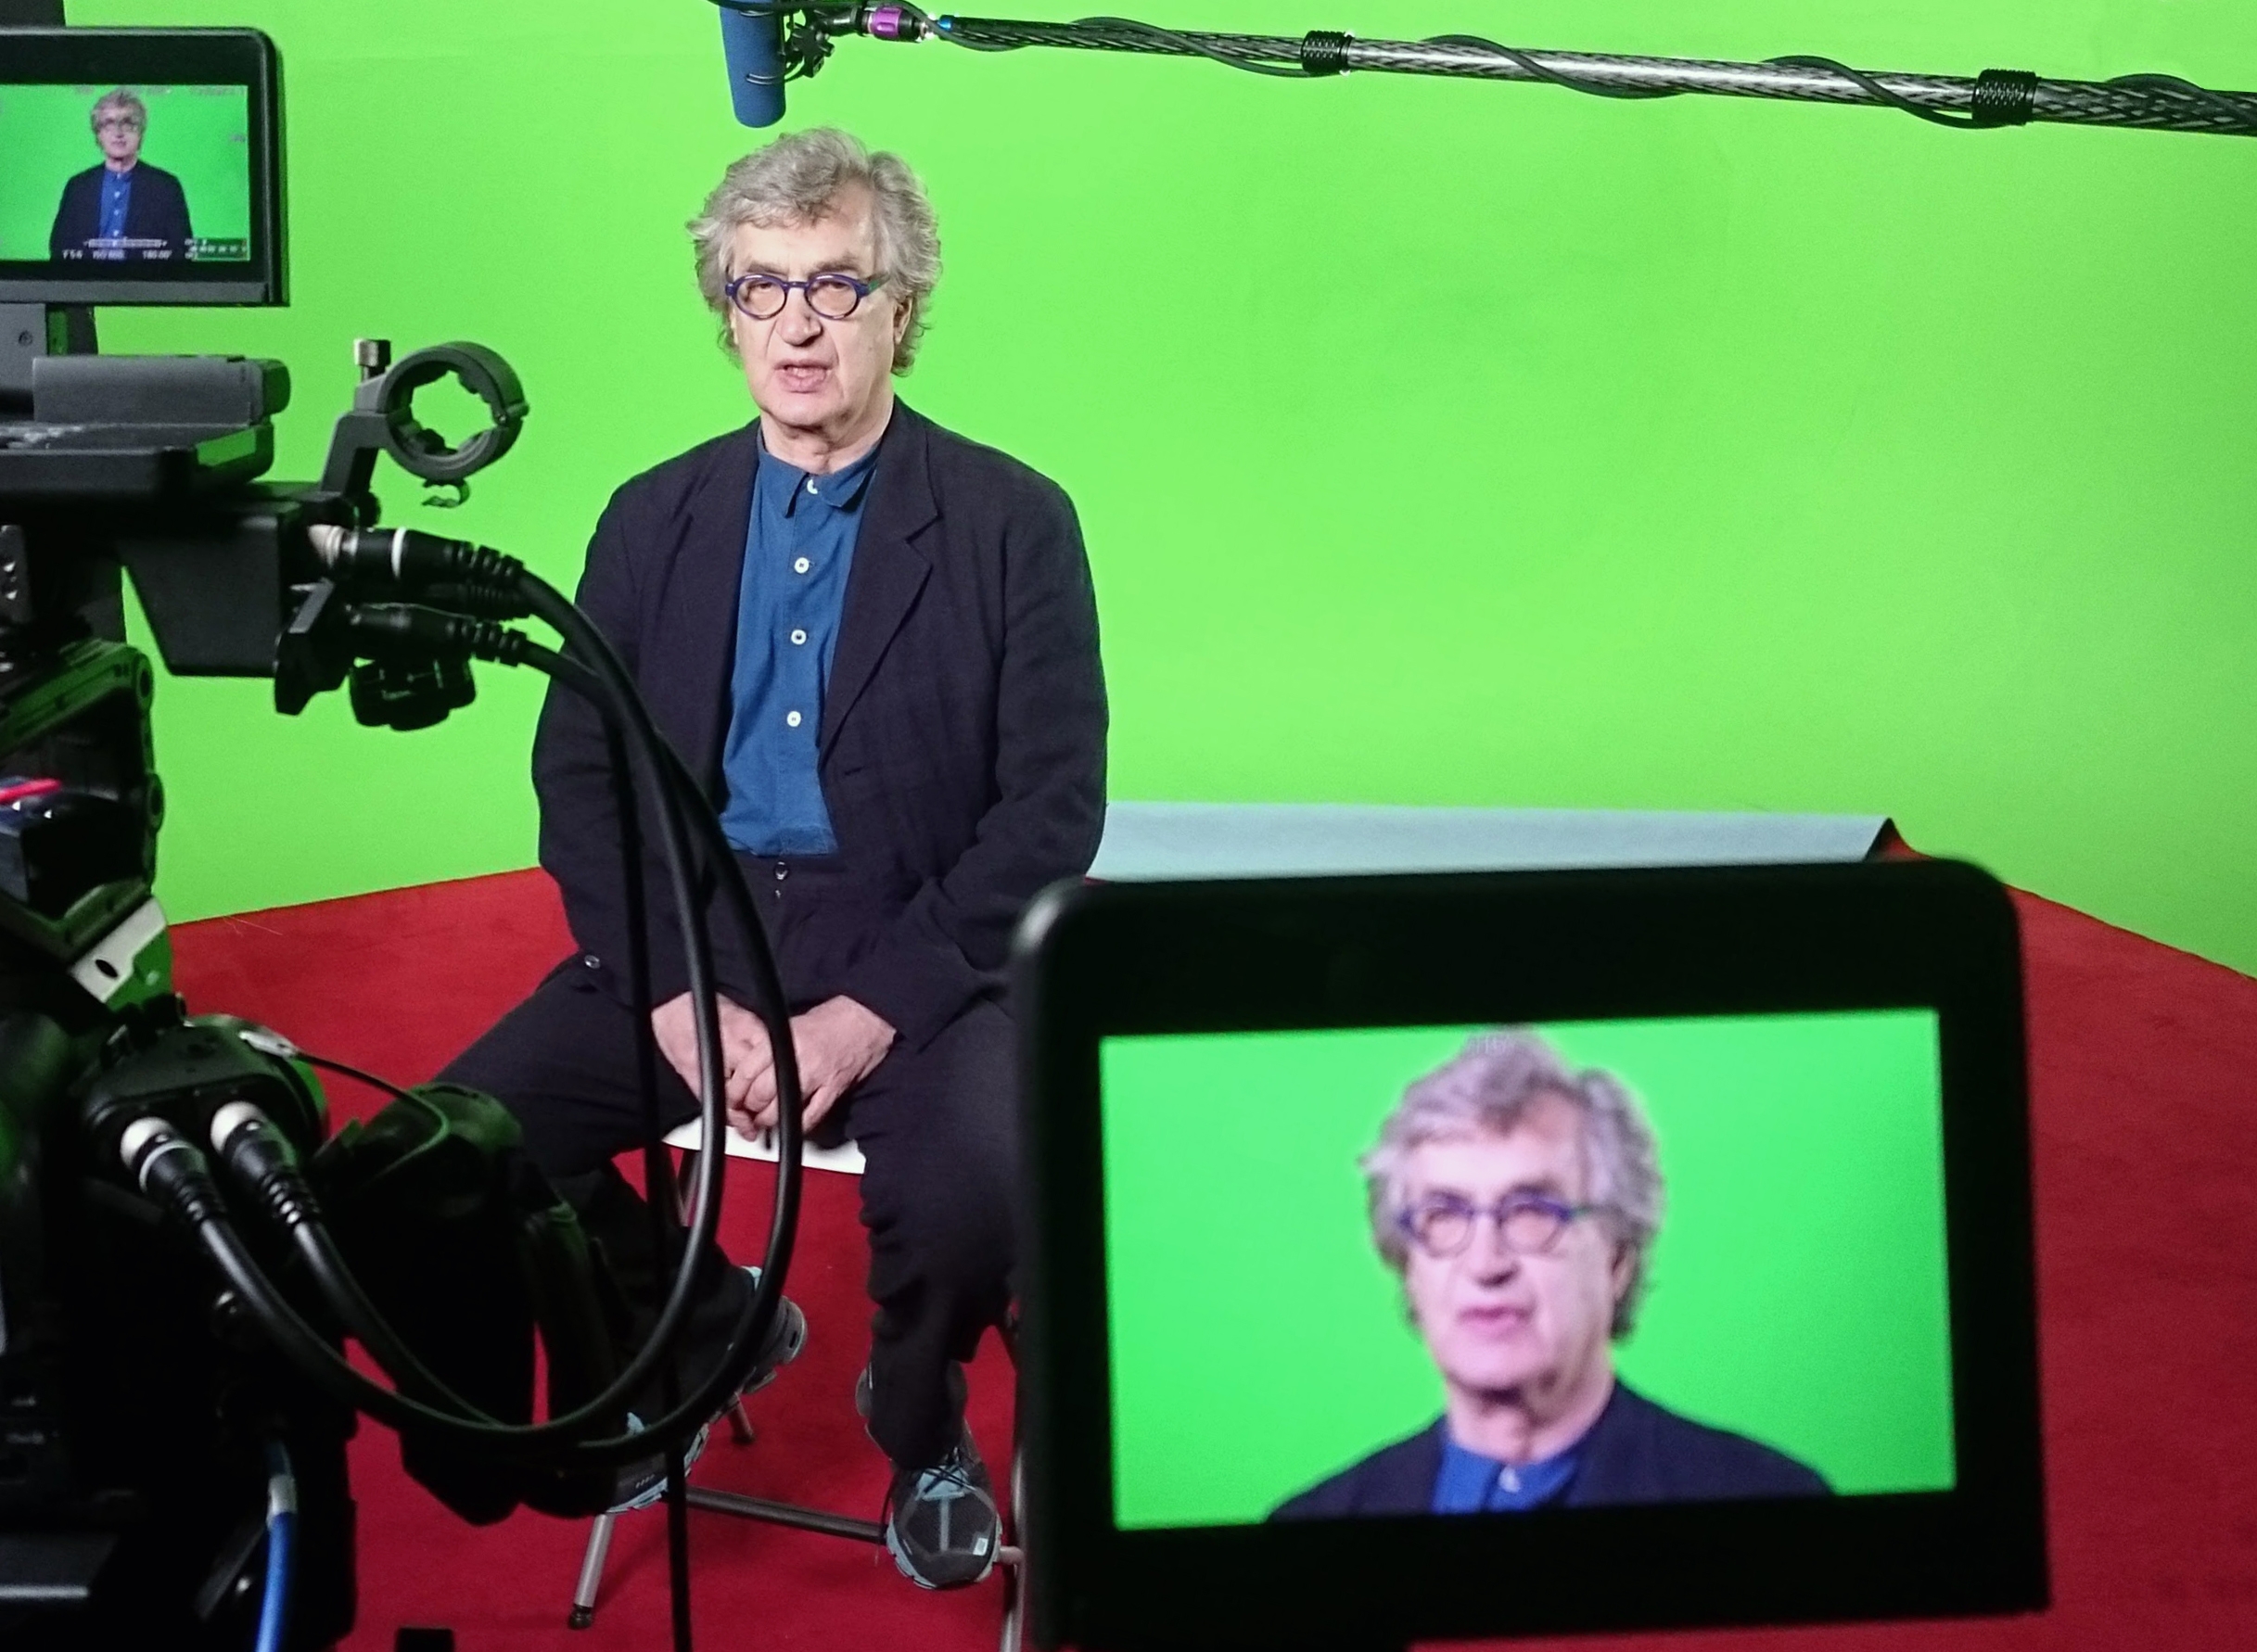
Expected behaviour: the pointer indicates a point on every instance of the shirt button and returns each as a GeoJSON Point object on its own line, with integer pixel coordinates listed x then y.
{"type": "Point", "coordinates": [800, 565]}
{"type": "Point", "coordinates": [791, 719]}
{"type": "Point", "coordinates": [811, 484]}
{"type": "Point", "coordinates": [783, 872]}
{"type": "Point", "coordinates": [798, 637]}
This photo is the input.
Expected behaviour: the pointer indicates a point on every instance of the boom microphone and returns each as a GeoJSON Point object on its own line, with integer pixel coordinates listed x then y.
{"type": "Point", "coordinates": [753, 43]}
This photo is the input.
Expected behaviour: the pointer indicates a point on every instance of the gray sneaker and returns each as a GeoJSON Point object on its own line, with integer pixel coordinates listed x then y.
{"type": "Point", "coordinates": [942, 1523]}
{"type": "Point", "coordinates": [642, 1483]}
{"type": "Point", "coordinates": [942, 1527]}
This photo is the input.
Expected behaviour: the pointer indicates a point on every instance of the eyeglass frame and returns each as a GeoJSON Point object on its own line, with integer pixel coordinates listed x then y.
{"type": "Point", "coordinates": [862, 289]}
{"type": "Point", "coordinates": [1498, 1213]}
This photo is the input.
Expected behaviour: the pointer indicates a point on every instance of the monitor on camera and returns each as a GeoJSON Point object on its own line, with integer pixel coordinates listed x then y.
{"type": "Point", "coordinates": [140, 166]}
{"type": "Point", "coordinates": [1437, 1256]}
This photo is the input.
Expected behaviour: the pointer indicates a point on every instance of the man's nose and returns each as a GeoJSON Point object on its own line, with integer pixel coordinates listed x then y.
{"type": "Point", "coordinates": [1490, 1256]}
{"type": "Point", "coordinates": [800, 323]}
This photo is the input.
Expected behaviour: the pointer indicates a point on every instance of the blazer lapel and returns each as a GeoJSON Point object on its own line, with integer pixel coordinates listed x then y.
{"type": "Point", "coordinates": [888, 570]}
{"type": "Point", "coordinates": [696, 632]}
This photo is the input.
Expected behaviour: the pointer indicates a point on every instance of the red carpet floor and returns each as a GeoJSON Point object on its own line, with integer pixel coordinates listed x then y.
{"type": "Point", "coordinates": [2144, 1064]}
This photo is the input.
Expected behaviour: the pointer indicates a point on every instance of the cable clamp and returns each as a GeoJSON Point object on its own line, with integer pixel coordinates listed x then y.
{"type": "Point", "coordinates": [2003, 97]}
{"type": "Point", "coordinates": [1325, 51]}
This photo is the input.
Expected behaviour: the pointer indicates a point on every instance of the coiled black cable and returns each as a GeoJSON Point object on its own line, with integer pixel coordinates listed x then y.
{"type": "Point", "coordinates": [184, 1179]}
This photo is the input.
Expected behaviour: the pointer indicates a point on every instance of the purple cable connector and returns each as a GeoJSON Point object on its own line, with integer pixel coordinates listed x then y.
{"type": "Point", "coordinates": [889, 22]}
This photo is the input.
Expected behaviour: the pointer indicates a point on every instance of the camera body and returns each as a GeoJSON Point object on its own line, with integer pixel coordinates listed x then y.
{"type": "Point", "coordinates": [138, 1399]}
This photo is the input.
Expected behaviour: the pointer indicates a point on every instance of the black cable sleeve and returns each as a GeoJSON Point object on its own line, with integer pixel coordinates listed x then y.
{"type": "Point", "coordinates": [1877, 93]}
{"type": "Point", "coordinates": [1537, 69]}
{"type": "Point", "coordinates": [2171, 86]}
{"type": "Point", "coordinates": [1194, 46]}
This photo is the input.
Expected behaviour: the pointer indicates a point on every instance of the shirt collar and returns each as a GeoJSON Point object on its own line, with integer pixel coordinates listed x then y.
{"type": "Point", "coordinates": [842, 490]}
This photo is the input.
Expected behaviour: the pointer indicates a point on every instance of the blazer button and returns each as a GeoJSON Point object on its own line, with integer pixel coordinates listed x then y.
{"type": "Point", "coordinates": [590, 961]}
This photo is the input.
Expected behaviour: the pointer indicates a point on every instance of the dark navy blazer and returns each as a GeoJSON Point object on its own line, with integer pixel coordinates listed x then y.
{"type": "Point", "coordinates": [961, 752]}
{"type": "Point", "coordinates": [1636, 1451]}
{"type": "Point", "coordinates": [157, 210]}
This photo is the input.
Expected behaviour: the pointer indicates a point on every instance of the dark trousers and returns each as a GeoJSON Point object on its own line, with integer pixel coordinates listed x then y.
{"type": "Point", "coordinates": [936, 1128]}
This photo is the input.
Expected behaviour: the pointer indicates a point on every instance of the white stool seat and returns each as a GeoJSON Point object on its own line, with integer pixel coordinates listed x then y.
{"type": "Point", "coordinates": [846, 1157]}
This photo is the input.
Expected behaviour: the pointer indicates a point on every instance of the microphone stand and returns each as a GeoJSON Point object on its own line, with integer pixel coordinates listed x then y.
{"type": "Point", "coordinates": [1995, 97]}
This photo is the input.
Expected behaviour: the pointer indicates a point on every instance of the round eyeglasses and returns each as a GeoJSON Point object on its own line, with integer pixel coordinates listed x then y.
{"type": "Point", "coordinates": [834, 295]}
{"type": "Point", "coordinates": [1442, 1224]}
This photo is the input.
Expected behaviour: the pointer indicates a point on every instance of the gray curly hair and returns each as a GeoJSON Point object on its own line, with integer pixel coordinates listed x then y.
{"type": "Point", "coordinates": [120, 102]}
{"type": "Point", "coordinates": [799, 179]}
{"type": "Point", "coordinates": [1486, 1090]}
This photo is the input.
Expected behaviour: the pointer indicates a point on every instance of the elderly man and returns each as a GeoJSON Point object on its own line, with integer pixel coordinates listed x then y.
{"type": "Point", "coordinates": [877, 643]}
{"type": "Point", "coordinates": [1518, 1201]}
{"type": "Point", "coordinates": [124, 211]}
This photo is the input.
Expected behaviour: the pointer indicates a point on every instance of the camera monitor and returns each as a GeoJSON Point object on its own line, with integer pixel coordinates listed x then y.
{"type": "Point", "coordinates": [140, 166]}
{"type": "Point", "coordinates": [1494, 1255]}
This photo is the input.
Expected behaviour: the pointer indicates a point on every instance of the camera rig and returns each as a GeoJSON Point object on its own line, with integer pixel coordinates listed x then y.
{"type": "Point", "coordinates": [175, 1212]}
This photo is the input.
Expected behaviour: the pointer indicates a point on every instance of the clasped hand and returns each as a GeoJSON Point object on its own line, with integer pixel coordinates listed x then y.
{"type": "Point", "coordinates": [838, 1042]}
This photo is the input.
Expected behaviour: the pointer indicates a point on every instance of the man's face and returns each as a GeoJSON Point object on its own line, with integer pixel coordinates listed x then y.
{"type": "Point", "coordinates": [1497, 1321]}
{"type": "Point", "coordinates": [120, 136]}
{"type": "Point", "coordinates": [807, 371]}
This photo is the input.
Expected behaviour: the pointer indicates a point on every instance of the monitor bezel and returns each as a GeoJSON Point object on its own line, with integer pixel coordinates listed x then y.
{"type": "Point", "coordinates": [1102, 960]}
{"type": "Point", "coordinates": [161, 56]}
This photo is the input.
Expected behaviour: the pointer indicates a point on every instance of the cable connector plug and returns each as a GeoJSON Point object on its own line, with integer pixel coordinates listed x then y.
{"type": "Point", "coordinates": [406, 560]}
{"type": "Point", "coordinates": [165, 1166]}
{"type": "Point", "coordinates": [261, 1159]}
{"type": "Point", "coordinates": [378, 629]}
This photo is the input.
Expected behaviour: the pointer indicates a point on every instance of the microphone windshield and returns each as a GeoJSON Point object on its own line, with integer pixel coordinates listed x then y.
{"type": "Point", "coordinates": [754, 44]}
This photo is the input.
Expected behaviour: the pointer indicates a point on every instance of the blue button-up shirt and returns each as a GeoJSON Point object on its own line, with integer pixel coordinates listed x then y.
{"type": "Point", "coordinates": [117, 199]}
{"type": "Point", "coordinates": [798, 547]}
{"type": "Point", "coordinates": [1470, 1483]}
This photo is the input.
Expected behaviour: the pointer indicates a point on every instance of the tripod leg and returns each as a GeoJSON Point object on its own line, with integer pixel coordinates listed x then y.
{"type": "Point", "coordinates": [591, 1573]}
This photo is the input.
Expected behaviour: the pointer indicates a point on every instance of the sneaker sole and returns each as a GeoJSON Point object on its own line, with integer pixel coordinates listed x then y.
{"type": "Point", "coordinates": [901, 1563]}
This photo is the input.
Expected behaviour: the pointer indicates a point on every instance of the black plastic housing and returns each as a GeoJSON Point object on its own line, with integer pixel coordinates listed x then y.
{"type": "Point", "coordinates": [1102, 960]}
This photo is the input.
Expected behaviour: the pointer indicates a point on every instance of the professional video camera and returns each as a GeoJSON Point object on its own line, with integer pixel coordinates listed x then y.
{"type": "Point", "coordinates": [183, 1245]}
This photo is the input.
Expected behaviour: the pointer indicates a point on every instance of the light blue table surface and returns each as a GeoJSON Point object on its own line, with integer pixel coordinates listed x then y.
{"type": "Point", "coordinates": [1146, 841]}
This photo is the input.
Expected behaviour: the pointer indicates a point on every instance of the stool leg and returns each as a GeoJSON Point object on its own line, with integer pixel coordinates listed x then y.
{"type": "Point", "coordinates": [1013, 1560]}
{"type": "Point", "coordinates": [740, 1425]}
{"type": "Point", "coordinates": [591, 1573]}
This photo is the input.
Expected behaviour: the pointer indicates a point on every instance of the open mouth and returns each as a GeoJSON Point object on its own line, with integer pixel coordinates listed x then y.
{"type": "Point", "coordinates": [1493, 1319]}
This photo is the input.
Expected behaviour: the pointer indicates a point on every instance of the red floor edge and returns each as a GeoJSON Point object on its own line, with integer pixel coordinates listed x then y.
{"type": "Point", "coordinates": [2144, 1079]}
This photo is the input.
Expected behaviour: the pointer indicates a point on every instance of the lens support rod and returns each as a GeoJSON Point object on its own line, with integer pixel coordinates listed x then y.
{"type": "Point", "coordinates": [1995, 97]}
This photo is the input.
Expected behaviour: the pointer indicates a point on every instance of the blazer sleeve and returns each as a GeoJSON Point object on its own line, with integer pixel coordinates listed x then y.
{"type": "Point", "coordinates": [949, 943]}
{"type": "Point", "coordinates": [173, 226]}
{"type": "Point", "coordinates": [579, 820]}
{"type": "Point", "coordinates": [70, 218]}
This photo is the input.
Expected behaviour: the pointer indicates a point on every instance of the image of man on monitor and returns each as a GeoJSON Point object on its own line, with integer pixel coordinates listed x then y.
{"type": "Point", "coordinates": [123, 210]}
{"type": "Point", "coordinates": [1519, 1204]}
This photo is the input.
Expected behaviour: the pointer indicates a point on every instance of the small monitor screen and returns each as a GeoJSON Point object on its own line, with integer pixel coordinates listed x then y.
{"type": "Point", "coordinates": [140, 166]}
{"type": "Point", "coordinates": [129, 177]}
{"type": "Point", "coordinates": [1504, 1270]}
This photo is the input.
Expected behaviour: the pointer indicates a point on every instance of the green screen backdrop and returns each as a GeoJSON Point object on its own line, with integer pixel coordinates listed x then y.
{"type": "Point", "coordinates": [1796, 1294]}
{"type": "Point", "coordinates": [198, 134]}
{"type": "Point", "coordinates": [1435, 443]}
